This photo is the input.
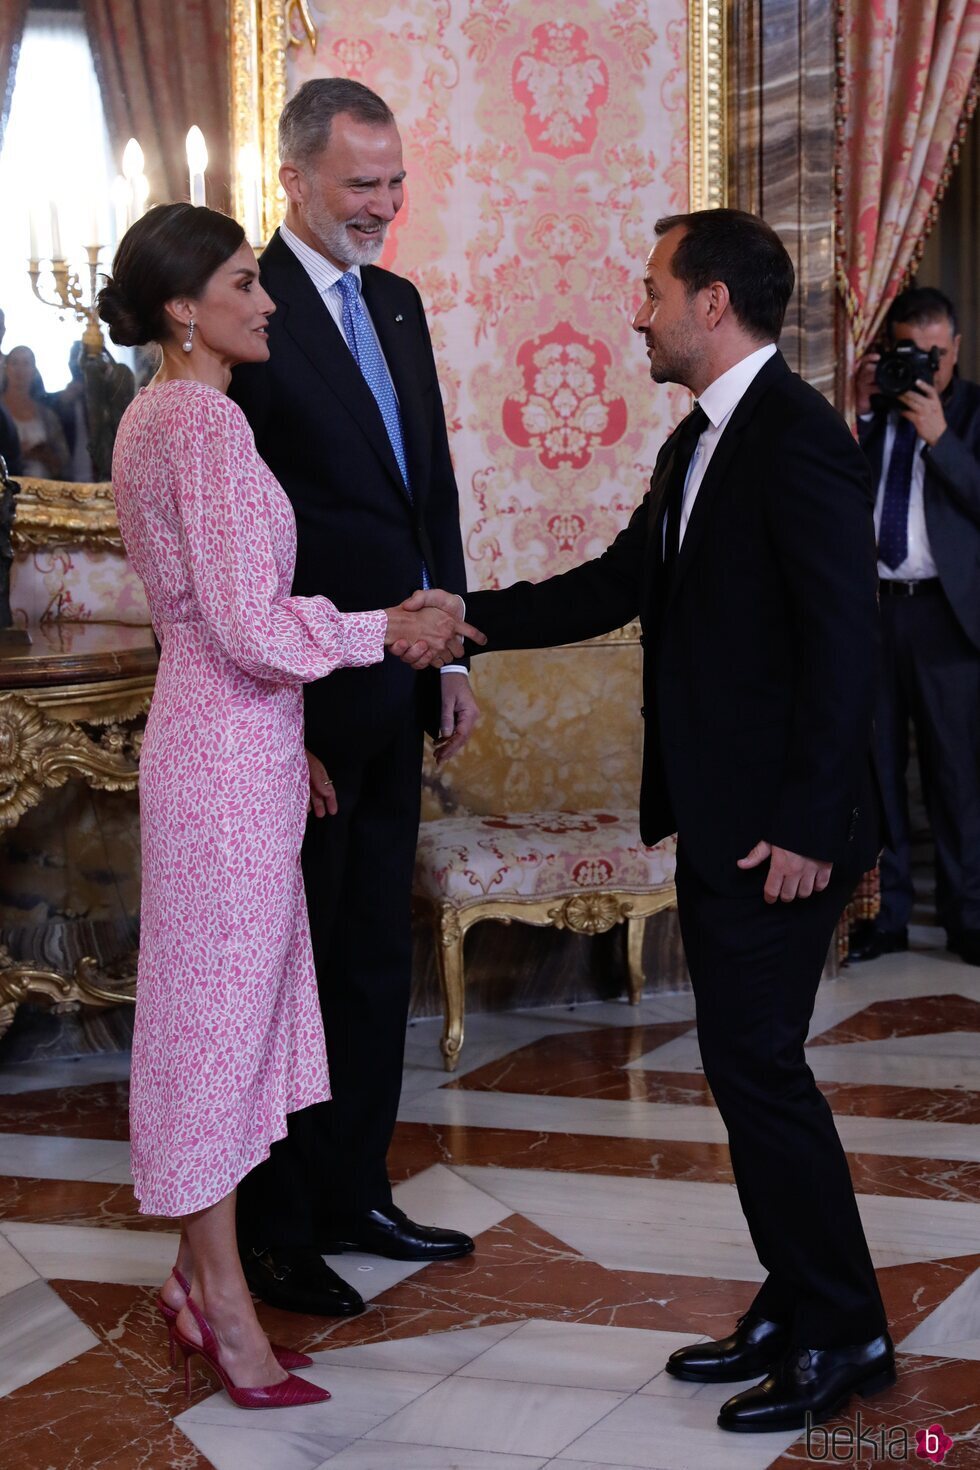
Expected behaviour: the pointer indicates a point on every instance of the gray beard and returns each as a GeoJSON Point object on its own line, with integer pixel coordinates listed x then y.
{"type": "Point", "coordinates": [336, 238]}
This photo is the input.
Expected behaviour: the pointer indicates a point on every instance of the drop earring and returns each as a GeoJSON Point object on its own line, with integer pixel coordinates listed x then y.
{"type": "Point", "coordinates": [189, 342]}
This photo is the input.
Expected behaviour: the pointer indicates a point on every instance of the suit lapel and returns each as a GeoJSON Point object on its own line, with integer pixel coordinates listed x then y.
{"type": "Point", "coordinates": [305, 319]}
{"type": "Point", "coordinates": [718, 468]}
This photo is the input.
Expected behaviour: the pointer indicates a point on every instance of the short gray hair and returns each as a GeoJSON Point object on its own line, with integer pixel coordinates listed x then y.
{"type": "Point", "coordinates": [305, 121]}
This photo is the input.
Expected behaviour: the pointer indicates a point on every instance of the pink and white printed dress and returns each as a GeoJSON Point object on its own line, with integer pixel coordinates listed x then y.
{"type": "Point", "coordinates": [228, 1036]}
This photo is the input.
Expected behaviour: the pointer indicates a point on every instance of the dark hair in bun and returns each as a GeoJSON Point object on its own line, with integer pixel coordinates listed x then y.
{"type": "Point", "coordinates": [174, 250]}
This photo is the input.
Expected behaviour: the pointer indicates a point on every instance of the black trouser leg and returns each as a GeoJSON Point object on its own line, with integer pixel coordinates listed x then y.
{"type": "Point", "coordinates": [363, 949]}
{"type": "Point", "coordinates": [358, 870]}
{"type": "Point", "coordinates": [755, 968]}
{"type": "Point", "coordinates": [944, 675]}
{"type": "Point", "coordinates": [892, 751]}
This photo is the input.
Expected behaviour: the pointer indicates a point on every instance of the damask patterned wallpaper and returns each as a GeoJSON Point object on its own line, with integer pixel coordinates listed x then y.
{"type": "Point", "coordinates": [541, 142]}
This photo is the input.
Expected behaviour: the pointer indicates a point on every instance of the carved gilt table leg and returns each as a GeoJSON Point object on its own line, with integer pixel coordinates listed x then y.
{"type": "Point", "coordinates": [635, 931]}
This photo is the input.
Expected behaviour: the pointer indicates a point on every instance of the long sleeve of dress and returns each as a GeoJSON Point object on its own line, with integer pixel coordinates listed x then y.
{"type": "Point", "coordinates": [226, 499]}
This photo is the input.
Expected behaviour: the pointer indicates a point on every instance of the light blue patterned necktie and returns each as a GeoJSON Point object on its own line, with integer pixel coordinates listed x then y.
{"type": "Point", "coordinates": [367, 354]}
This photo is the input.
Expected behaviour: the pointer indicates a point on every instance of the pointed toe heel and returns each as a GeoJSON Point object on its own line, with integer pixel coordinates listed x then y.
{"type": "Point", "coordinates": [289, 1394]}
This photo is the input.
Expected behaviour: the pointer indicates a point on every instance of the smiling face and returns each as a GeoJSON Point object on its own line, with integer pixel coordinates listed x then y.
{"type": "Point", "coordinates": [231, 314]}
{"type": "Point", "coordinates": [344, 199]}
{"type": "Point", "coordinates": [668, 319]}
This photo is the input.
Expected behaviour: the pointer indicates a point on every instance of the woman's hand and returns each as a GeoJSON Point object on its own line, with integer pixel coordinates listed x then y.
{"type": "Point", "coordinates": [423, 635]}
{"type": "Point", "coordinates": [323, 797]}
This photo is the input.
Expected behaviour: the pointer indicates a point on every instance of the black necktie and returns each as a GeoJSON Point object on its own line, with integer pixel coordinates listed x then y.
{"type": "Point", "coordinates": [685, 443]}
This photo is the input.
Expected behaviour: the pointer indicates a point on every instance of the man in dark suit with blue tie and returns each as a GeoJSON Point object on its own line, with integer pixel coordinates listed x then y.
{"type": "Point", "coordinates": [925, 459]}
{"type": "Point", "coordinates": [348, 415]}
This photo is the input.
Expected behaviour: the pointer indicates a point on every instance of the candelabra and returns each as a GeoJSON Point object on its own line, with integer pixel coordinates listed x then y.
{"type": "Point", "coordinates": [70, 294]}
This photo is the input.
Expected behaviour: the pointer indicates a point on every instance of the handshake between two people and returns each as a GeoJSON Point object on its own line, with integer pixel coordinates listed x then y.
{"type": "Point", "coordinates": [428, 629]}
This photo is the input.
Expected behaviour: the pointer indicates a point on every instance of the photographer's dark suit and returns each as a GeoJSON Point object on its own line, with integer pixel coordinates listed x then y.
{"type": "Point", "coordinates": [931, 676]}
{"type": "Point", "coordinates": [758, 686]}
{"type": "Point", "coordinates": [360, 541]}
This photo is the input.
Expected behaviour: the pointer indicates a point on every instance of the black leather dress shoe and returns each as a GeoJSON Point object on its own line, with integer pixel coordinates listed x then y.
{"type": "Point", "coordinates": [811, 1381]}
{"type": "Point", "coordinates": [391, 1233]}
{"type": "Point", "coordinates": [868, 943]}
{"type": "Point", "coordinates": [299, 1281]}
{"type": "Point", "coordinates": [751, 1349]}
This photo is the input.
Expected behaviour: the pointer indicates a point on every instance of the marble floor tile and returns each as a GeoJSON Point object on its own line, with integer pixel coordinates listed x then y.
{"type": "Point", "coordinates": [64, 1072]}
{"type": "Point", "coordinates": [37, 1333]}
{"type": "Point", "coordinates": [247, 1446]}
{"type": "Point", "coordinates": [15, 1272]}
{"type": "Point", "coordinates": [435, 1352]}
{"type": "Point", "coordinates": [440, 1196]}
{"type": "Point", "coordinates": [377, 1455]}
{"type": "Point", "coordinates": [40, 1157]}
{"type": "Point", "coordinates": [653, 1433]}
{"type": "Point", "coordinates": [578, 1355]}
{"type": "Point", "coordinates": [920, 1015]}
{"type": "Point", "coordinates": [92, 1110]}
{"type": "Point", "coordinates": [362, 1399]}
{"type": "Point", "coordinates": [84, 1253]}
{"type": "Point", "coordinates": [951, 1330]}
{"type": "Point", "coordinates": [680, 1227]}
{"type": "Point", "coordinates": [509, 1418]}
{"type": "Point", "coordinates": [678, 1122]}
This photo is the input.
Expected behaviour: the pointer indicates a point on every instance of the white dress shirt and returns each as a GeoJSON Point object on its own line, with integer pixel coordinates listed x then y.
{"type": "Point", "coordinates": [919, 563]}
{"type": "Point", "coordinates": [719, 401]}
{"type": "Point", "coordinates": [325, 275]}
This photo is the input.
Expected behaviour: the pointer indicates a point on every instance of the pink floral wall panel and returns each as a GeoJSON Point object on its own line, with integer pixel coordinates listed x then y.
{"type": "Point", "coordinates": [542, 142]}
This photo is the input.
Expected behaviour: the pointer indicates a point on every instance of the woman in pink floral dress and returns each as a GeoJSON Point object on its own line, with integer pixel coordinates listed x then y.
{"type": "Point", "coordinates": [228, 1036]}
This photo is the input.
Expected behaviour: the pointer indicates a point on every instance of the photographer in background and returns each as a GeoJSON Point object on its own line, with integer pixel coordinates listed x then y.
{"type": "Point", "coordinates": [919, 425]}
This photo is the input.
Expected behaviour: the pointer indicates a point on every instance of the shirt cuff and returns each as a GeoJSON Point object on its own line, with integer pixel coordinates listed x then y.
{"type": "Point", "coordinates": [455, 669]}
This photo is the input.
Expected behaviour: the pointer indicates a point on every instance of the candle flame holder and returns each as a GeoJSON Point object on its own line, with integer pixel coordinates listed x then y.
{"type": "Point", "coordinates": [70, 295]}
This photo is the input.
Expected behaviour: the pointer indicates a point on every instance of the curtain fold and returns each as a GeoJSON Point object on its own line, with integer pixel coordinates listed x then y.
{"type": "Point", "coordinates": [13, 15]}
{"type": "Point", "coordinates": [162, 67]}
{"type": "Point", "coordinates": [907, 87]}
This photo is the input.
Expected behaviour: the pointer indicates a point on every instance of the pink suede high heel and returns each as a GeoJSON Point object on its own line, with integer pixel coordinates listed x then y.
{"type": "Point", "coordinates": [284, 1356]}
{"type": "Point", "coordinates": [286, 1395]}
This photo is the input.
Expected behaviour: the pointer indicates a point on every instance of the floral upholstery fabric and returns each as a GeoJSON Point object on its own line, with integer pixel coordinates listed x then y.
{"type": "Point", "coordinates": [467, 860]}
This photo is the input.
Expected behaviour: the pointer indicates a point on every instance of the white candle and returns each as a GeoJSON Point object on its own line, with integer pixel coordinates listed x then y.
{"type": "Point", "coordinates": [248, 169]}
{"type": "Point", "coordinates": [197, 162]}
{"type": "Point", "coordinates": [132, 167]}
{"type": "Point", "coordinates": [120, 205]}
{"type": "Point", "coordinates": [55, 233]}
{"type": "Point", "coordinates": [32, 223]}
{"type": "Point", "coordinates": [141, 194]}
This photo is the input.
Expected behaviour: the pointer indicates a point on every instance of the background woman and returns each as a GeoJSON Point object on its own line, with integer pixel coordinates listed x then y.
{"type": "Point", "coordinates": [228, 1036]}
{"type": "Point", "coordinates": [42, 440]}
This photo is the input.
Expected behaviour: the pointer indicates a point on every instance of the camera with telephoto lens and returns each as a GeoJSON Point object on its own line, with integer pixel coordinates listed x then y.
{"type": "Point", "coordinates": [898, 370]}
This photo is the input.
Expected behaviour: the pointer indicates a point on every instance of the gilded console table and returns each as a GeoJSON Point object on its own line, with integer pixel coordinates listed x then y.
{"type": "Point", "coordinates": [72, 704]}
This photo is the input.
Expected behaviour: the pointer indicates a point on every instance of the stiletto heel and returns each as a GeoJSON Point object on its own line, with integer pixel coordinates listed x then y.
{"type": "Point", "coordinates": [286, 1395]}
{"type": "Point", "coordinates": [284, 1356]}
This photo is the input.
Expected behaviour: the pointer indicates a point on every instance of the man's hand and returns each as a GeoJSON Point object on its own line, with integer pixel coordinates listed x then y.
{"type": "Point", "coordinates": [864, 382]}
{"type": "Point", "coordinates": [460, 713]}
{"type": "Point", "coordinates": [323, 797]}
{"type": "Point", "coordinates": [790, 875]}
{"type": "Point", "coordinates": [924, 409]}
{"type": "Point", "coordinates": [428, 629]}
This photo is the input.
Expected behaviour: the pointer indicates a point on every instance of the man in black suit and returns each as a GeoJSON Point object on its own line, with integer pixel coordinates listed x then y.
{"type": "Point", "coordinates": [348, 415]}
{"type": "Point", "coordinates": [925, 461]}
{"type": "Point", "coordinates": [751, 565]}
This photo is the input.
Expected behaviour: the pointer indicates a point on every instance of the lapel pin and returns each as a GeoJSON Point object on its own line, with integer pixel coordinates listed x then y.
{"type": "Point", "coordinates": [399, 317]}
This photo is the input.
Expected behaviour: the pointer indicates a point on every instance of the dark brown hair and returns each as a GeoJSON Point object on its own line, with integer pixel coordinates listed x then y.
{"type": "Point", "coordinates": [743, 251]}
{"type": "Point", "coordinates": [174, 250]}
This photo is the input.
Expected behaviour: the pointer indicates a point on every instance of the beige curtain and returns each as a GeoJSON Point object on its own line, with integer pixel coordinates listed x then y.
{"type": "Point", "coordinates": [13, 14]}
{"type": "Point", "coordinates": [163, 65]}
{"type": "Point", "coordinates": [907, 87]}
